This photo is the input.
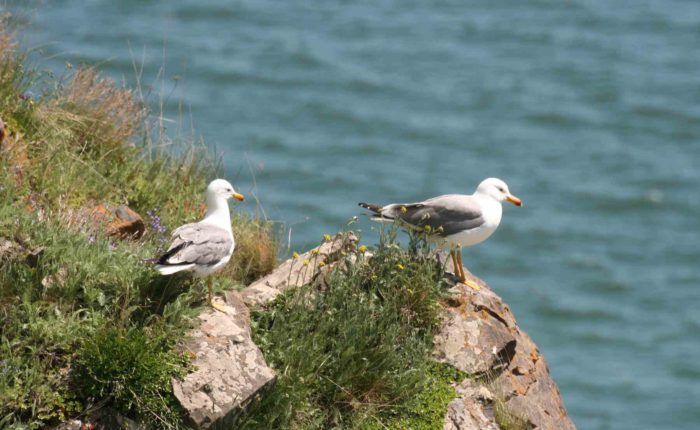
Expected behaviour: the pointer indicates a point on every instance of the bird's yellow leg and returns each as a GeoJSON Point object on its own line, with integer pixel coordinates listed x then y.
{"type": "Point", "coordinates": [460, 268]}
{"type": "Point", "coordinates": [468, 282]}
{"type": "Point", "coordinates": [213, 304]}
{"type": "Point", "coordinates": [454, 262]}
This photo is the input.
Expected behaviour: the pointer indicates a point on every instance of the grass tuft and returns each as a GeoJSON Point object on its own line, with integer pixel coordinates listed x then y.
{"type": "Point", "coordinates": [507, 419]}
{"type": "Point", "coordinates": [257, 245]}
{"type": "Point", "coordinates": [357, 350]}
{"type": "Point", "coordinates": [130, 368]}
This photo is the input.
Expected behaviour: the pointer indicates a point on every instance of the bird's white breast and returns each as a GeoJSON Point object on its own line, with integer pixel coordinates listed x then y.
{"type": "Point", "coordinates": [491, 213]}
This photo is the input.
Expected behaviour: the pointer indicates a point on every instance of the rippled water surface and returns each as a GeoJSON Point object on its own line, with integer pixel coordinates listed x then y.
{"type": "Point", "coordinates": [589, 109]}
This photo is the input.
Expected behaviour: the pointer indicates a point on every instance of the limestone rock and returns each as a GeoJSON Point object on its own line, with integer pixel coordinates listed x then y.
{"type": "Point", "coordinates": [472, 410]}
{"type": "Point", "coordinates": [298, 271]}
{"type": "Point", "coordinates": [230, 369]}
{"type": "Point", "coordinates": [9, 249]}
{"type": "Point", "coordinates": [479, 335]}
{"type": "Point", "coordinates": [473, 342]}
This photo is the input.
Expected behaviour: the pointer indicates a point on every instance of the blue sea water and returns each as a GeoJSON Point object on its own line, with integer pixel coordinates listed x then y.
{"type": "Point", "coordinates": [589, 109]}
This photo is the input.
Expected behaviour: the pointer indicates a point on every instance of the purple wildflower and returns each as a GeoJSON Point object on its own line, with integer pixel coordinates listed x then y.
{"type": "Point", "coordinates": [157, 225]}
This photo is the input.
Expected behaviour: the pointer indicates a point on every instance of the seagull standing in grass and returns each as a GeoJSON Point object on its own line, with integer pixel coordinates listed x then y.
{"type": "Point", "coordinates": [206, 246]}
{"type": "Point", "coordinates": [453, 220]}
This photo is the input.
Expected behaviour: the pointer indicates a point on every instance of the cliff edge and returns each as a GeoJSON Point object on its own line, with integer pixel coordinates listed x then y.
{"type": "Point", "coordinates": [507, 384]}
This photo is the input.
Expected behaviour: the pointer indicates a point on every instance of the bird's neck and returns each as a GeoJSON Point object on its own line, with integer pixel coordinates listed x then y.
{"type": "Point", "coordinates": [492, 208]}
{"type": "Point", "coordinates": [217, 212]}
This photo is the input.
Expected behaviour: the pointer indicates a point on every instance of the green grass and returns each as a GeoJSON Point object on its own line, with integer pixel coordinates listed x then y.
{"type": "Point", "coordinates": [355, 352]}
{"type": "Point", "coordinates": [426, 410]}
{"type": "Point", "coordinates": [86, 324]}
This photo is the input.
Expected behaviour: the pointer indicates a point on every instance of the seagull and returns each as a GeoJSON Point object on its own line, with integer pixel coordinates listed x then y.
{"type": "Point", "coordinates": [452, 220]}
{"type": "Point", "coordinates": [206, 246]}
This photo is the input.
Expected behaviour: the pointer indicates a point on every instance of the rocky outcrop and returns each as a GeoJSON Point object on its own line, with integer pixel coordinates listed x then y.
{"type": "Point", "coordinates": [298, 271]}
{"type": "Point", "coordinates": [230, 369]}
{"type": "Point", "coordinates": [479, 335]}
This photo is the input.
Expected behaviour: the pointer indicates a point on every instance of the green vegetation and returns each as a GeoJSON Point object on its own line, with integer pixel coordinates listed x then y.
{"type": "Point", "coordinates": [354, 351]}
{"type": "Point", "coordinates": [84, 322]}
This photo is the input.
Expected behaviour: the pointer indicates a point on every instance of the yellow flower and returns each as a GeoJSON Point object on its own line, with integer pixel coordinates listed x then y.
{"type": "Point", "coordinates": [428, 228]}
{"type": "Point", "coordinates": [362, 249]}
{"type": "Point", "coordinates": [314, 252]}
{"type": "Point", "coordinates": [403, 209]}
{"type": "Point", "coordinates": [327, 237]}
{"type": "Point", "coordinates": [400, 266]}
{"type": "Point", "coordinates": [295, 255]}
{"type": "Point", "coordinates": [306, 262]}
{"type": "Point", "coordinates": [321, 264]}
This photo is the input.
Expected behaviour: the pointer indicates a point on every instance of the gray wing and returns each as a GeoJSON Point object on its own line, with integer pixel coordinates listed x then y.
{"type": "Point", "coordinates": [201, 244]}
{"type": "Point", "coordinates": [446, 215]}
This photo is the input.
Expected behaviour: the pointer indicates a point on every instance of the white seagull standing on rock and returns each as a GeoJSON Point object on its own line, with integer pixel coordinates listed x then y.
{"type": "Point", "coordinates": [206, 246]}
{"type": "Point", "coordinates": [453, 220]}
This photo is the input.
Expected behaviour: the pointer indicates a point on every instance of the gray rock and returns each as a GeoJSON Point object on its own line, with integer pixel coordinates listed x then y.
{"type": "Point", "coordinates": [472, 342]}
{"type": "Point", "coordinates": [298, 271]}
{"type": "Point", "coordinates": [472, 410]}
{"type": "Point", "coordinates": [230, 369]}
{"type": "Point", "coordinates": [9, 249]}
{"type": "Point", "coordinates": [260, 294]}
{"type": "Point", "coordinates": [479, 335]}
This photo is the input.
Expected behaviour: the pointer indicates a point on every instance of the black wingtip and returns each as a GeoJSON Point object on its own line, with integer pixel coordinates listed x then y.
{"type": "Point", "coordinates": [373, 208]}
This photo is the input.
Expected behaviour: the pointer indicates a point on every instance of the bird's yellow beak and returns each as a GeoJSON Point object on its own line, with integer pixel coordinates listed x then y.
{"type": "Point", "coordinates": [516, 201]}
{"type": "Point", "coordinates": [238, 196]}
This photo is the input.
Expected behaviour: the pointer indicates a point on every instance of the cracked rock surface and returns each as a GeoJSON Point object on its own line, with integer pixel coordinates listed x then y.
{"type": "Point", "coordinates": [230, 368]}
{"type": "Point", "coordinates": [298, 271]}
{"type": "Point", "coordinates": [479, 336]}
{"type": "Point", "coordinates": [473, 409]}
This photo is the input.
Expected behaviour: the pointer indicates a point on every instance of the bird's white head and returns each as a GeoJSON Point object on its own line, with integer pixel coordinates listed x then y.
{"type": "Point", "coordinates": [223, 189]}
{"type": "Point", "coordinates": [497, 189]}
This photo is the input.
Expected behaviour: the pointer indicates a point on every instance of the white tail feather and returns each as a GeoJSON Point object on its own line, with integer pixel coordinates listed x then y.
{"type": "Point", "coordinates": [169, 270]}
